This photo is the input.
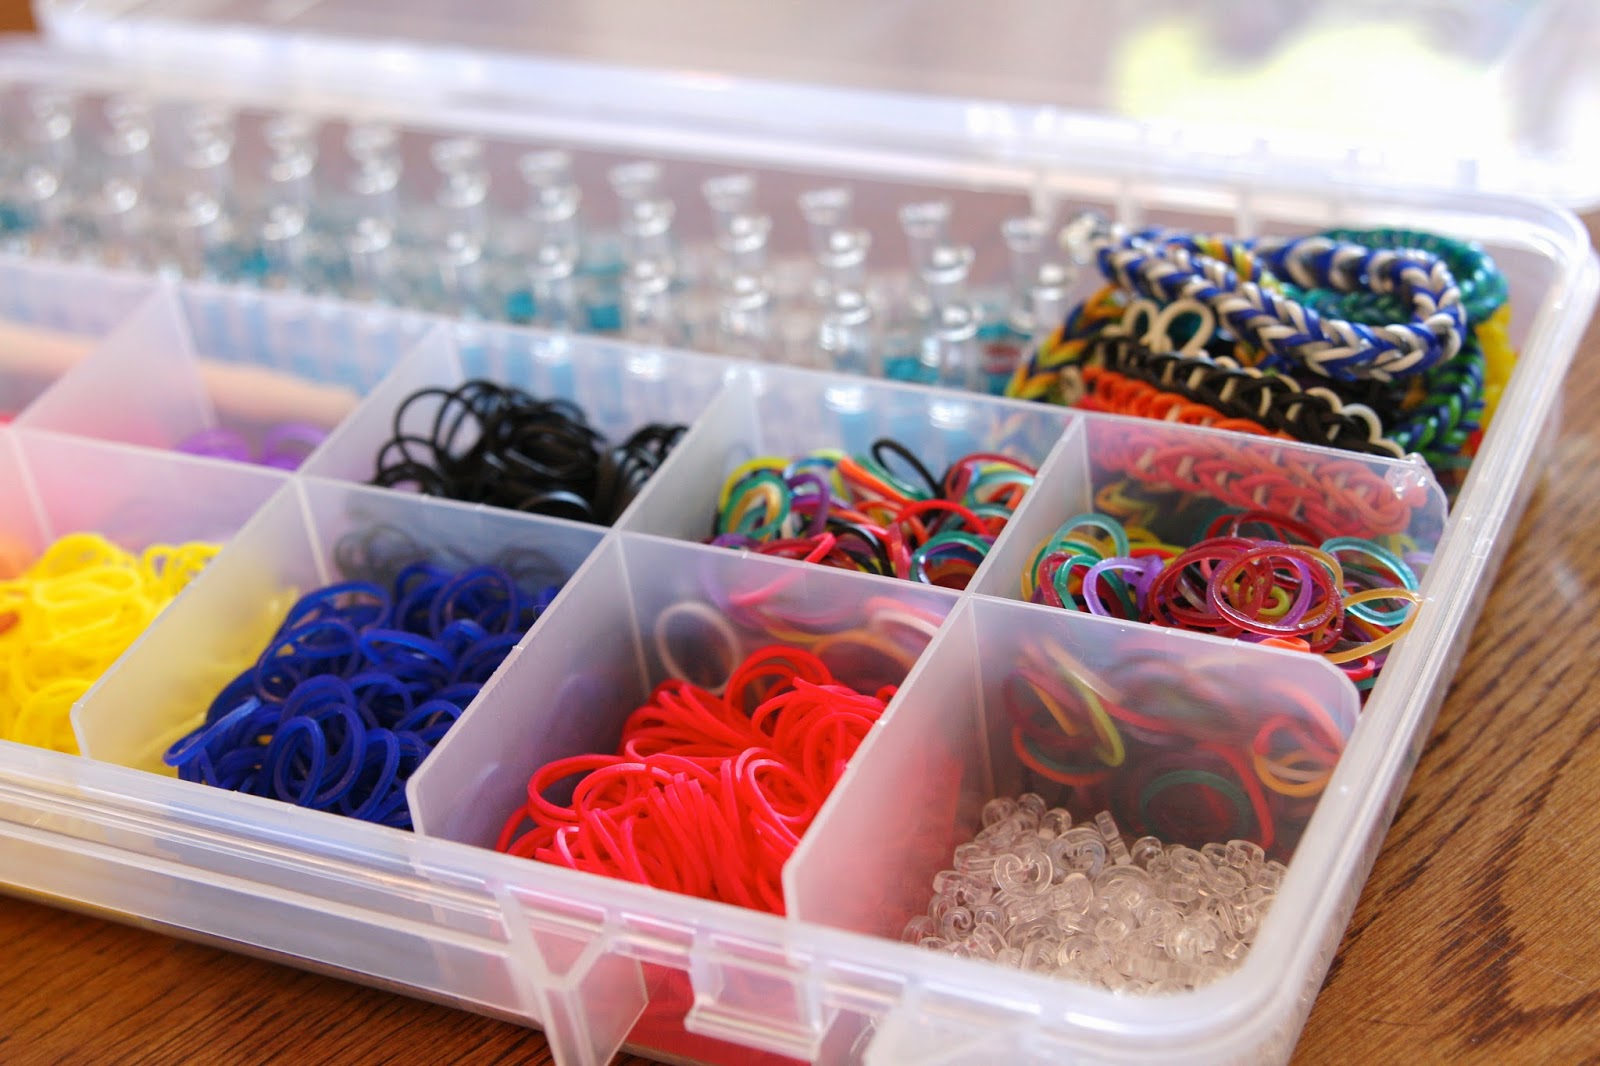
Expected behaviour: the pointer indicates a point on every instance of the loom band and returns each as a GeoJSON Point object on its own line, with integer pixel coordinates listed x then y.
{"type": "Point", "coordinates": [426, 716]}
{"type": "Point", "coordinates": [557, 504]}
{"type": "Point", "coordinates": [652, 744]}
{"type": "Point", "coordinates": [825, 744]}
{"type": "Point", "coordinates": [1237, 801]}
{"type": "Point", "coordinates": [1185, 595]}
{"type": "Point", "coordinates": [88, 588]}
{"type": "Point", "coordinates": [728, 644]}
{"type": "Point", "coordinates": [217, 443]}
{"type": "Point", "coordinates": [805, 549]}
{"type": "Point", "coordinates": [383, 709]}
{"type": "Point", "coordinates": [1108, 569]}
{"type": "Point", "coordinates": [1362, 672]}
{"type": "Point", "coordinates": [1114, 501]}
{"type": "Point", "coordinates": [863, 483]}
{"type": "Point", "coordinates": [1002, 502]}
{"type": "Point", "coordinates": [479, 662]}
{"type": "Point", "coordinates": [1385, 640]}
{"type": "Point", "coordinates": [320, 637]}
{"type": "Point", "coordinates": [390, 472]}
{"type": "Point", "coordinates": [1048, 667]}
{"type": "Point", "coordinates": [698, 700]}
{"type": "Point", "coordinates": [680, 765]}
{"type": "Point", "coordinates": [199, 770]}
{"type": "Point", "coordinates": [76, 551]}
{"type": "Point", "coordinates": [917, 508]}
{"type": "Point", "coordinates": [1394, 564]}
{"type": "Point", "coordinates": [770, 465]}
{"type": "Point", "coordinates": [461, 635]}
{"type": "Point", "coordinates": [365, 601]}
{"type": "Point", "coordinates": [781, 662]}
{"type": "Point", "coordinates": [414, 748]}
{"type": "Point", "coordinates": [726, 874]}
{"type": "Point", "coordinates": [700, 713]}
{"type": "Point", "coordinates": [407, 655]}
{"type": "Point", "coordinates": [274, 681]}
{"type": "Point", "coordinates": [741, 515]}
{"type": "Point", "coordinates": [376, 777]}
{"type": "Point", "coordinates": [1113, 751]}
{"type": "Point", "coordinates": [344, 762]}
{"type": "Point", "coordinates": [961, 476]}
{"type": "Point", "coordinates": [1053, 770]}
{"type": "Point", "coordinates": [823, 462]}
{"type": "Point", "coordinates": [1280, 609]}
{"type": "Point", "coordinates": [613, 842]}
{"type": "Point", "coordinates": [1038, 585]}
{"type": "Point", "coordinates": [483, 597]}
{"type": "Point", "coordinates": [816, 502]}
{"type": "Point", "coordinates": [240, 770]}
{"type": "Point", "coordinates": [524, 844]}
{"type": "Point", "coordinates": [294, 737]}
{"type": "Point", "coordinates": [1300, 622]}
{"type": "Point", "coordinates": [786, 787]}
{"type": "Point", "coordinates": [994, 516]}
{"type": "Point", "coordinates": [253, 731]}
{"type": "Point", "coordinates": [1257, 575]}
{"type": "Point", "coordinates": [886, 616]}
{"type": "Point", "coordinates": [864, 473]}
{"type": "Point", "coordinates": [1252, 790]}
{"type": "Point", "coordinates": [552, 773]}
{"type": "Point", "coordinates": [1289, 783]}
{"type": "Point", "coordinates": [1151, 562]}
{"type": "Point", "coordinates": [901, 452]}
{"type": "Point", "coordinates": [1277, 527]}
{"type": "Point", "coordinates": [301, 435]}
{"type": "Point", "coordinates": [968, 549]}
{"type": "Point", "coordinates": [315, 693]}
{"type": "Point", "coordinates": [1040, 686]}
{"type": "Point", "coordinates": [1294, 767]}
{"type": "Point", "coordinates": [1308, 752]}
{"type": "Point", "coordinates": [623, 788]}
{"type": "Point", "coordinates": [188, 747]}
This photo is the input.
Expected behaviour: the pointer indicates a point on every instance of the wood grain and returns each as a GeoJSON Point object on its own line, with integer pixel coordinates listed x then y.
{"type": "Point", "coordinates": [1476, 938]}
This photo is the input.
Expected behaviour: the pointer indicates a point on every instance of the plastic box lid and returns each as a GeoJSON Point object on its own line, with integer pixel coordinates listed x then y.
{"type": "Point", "coordinates": [1493, 95]}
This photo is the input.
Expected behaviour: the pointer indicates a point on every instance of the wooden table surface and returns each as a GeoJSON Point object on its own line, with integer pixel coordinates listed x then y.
{"type": "Point", "coordinates": [1477, 937]}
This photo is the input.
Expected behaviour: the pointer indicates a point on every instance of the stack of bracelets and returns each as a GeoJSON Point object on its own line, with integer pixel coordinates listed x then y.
{"type": "Point", "coordinates": [357, 686]}
{"type": "Point", "coordinates": [853, 512]}
{"type": "Point", "coordinates": [1382, 341]}
{"type": "Point", "coordinates": [68, 616]}
{"type": "Point", "coordinates": [497, 445]}
{"type": "Point", "coordinates": [708, 794]}
{"type": "Point", "coordinates": [1252, 575]}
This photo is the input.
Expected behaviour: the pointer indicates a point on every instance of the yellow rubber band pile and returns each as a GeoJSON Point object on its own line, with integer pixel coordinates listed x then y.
{"type": "Point", "coordinates": [68, 617]}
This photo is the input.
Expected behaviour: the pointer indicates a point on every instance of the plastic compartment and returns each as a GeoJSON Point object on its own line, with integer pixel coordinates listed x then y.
{"type": "Point", "coordinates": [216, 358]}
{"type": "Point", "coordinates": [1338, 493]}
{"type": "Point", "coordinates": [644, 610]}
{"type": "Point", "coordinates": [50, 315]}
{"type": "Point", "coordinates": [789, 413]}
{"type": "Point", "coordinates": [59, 485]}
{"type": "Point", "coordinates": [949, 748]}
{"type": "Point", "coordinates": [313, 534]}
{"type": "Point", "coordinates": [620, 388]}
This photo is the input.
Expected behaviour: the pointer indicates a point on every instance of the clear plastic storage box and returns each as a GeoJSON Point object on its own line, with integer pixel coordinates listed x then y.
{"type": "Point", "coordinates": [107, 369]}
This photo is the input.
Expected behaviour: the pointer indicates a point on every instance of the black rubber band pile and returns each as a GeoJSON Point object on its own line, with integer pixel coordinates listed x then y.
{"type": "Point", "coordinates": [498, 445]}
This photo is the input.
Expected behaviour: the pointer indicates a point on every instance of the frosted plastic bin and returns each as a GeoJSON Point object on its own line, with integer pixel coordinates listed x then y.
{"type": "Point", "coordinates": [600, 964]}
